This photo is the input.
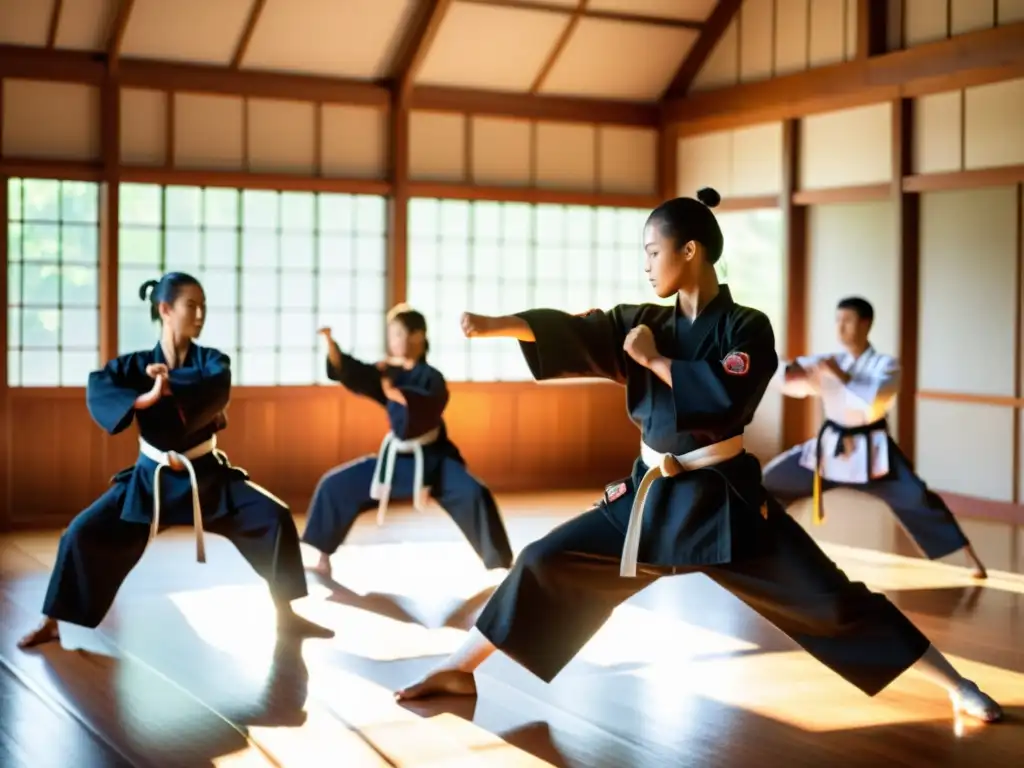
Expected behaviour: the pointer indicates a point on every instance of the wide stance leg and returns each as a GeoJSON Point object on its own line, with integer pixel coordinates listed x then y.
{"type": "Point", "coordinates": [340, 497]}
{"type": "Point", "coordinates": [96, 554]}
{"type": "Point", "coordinates": [858, 634]}
{"type": "Point", "coordinates": [560, 591]}
{"type": "Point", "coordinates": [923, 514]}
{"type": "Point", "coordinates": [473, 508]}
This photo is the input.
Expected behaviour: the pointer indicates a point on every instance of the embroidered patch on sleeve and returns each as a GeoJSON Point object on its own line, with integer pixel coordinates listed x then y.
{"type": "Point", "coordinates": [736, 363]}
{"type": "Point", "coordinates": [613, 492]}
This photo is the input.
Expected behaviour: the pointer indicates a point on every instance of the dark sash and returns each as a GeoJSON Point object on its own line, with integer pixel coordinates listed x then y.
{"type": "Point", "coordinates": [843, 432]}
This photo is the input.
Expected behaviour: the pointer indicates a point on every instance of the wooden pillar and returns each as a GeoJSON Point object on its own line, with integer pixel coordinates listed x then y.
{"type": "Point", "coordinates": [907, 210]}
{"type": "Point", "coordinates": [795, 412]}
{"type": "Point", "coordinates": [398, 219]}
{"type": "Point", "coordinates": [110, 143]}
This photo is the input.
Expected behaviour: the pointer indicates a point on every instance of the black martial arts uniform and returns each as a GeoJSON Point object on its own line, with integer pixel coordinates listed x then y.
{"type": "Point", "coordinates": [104, 542]}
{"type": "Point", "coordinates": [714, 518]}
{"type": "Point", "coordinates": [854, 450]}
{"type": "Point", "coordinates": [416, 457]}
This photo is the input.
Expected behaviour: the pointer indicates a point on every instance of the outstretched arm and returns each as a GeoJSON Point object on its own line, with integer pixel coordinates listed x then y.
{"type": "Point", "coordinates": [356, 376]}
{"type": "Point", "coordinates": [558, 345]}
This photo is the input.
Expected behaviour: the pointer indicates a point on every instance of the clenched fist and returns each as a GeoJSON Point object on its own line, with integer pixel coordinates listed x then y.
{"type": "Point", "coordinates": [640, 346]}
{"type": "Point", "coordinates": [157, 369]}
{"type": "Point", "coordinates": [476, 325]}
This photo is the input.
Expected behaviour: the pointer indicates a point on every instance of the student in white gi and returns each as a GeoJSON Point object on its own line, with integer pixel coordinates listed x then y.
{"type": "Point", "coordinates": [853, 449]}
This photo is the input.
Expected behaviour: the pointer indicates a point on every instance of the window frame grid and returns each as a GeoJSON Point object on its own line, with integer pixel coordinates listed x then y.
{"type": "Point", "coordinates": [351, 232]}
{"type": "Point", "coordinates": [59, 224]}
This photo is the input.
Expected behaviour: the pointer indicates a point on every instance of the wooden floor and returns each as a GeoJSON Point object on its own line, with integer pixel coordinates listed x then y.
{"type": "Point", "coordinates": [186, 671]}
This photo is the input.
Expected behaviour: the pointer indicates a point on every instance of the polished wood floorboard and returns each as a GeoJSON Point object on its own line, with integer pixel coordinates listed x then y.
{"type": "Point", "coordinates": [186, 671]}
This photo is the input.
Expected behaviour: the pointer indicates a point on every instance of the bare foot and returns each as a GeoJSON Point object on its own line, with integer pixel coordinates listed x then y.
{"type": "Point", "coordinates": [290, 623]}
{"type": "Point", "coordinates": [323, 566]}
{"type": "Point", "coordinates": [46, 632]}
{"type": "Point", "coordinates": [441, 682]}
{"type": "Point", "coordinates": [972, 701]}
{"type": "Point", "coordinates": [979, 573]}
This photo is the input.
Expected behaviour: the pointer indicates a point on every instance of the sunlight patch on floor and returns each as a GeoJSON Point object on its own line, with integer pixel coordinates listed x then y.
{"type": "Point", "coordinates": [415, 570]}
{"type": "Point", "coordinates": [794, 688]}
{"type": "Point", "coordinates": [635, 635]}
{"type": "Point", "coordinates": [409, 740]}
{"type": "Point", "coordinates": [221, 615]}
{"type": "Point", "coordinates": [888, 572]}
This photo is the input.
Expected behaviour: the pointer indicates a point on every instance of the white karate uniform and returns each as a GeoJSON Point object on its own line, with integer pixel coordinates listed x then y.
{"type": "Point", "coordinates": [865, 399]}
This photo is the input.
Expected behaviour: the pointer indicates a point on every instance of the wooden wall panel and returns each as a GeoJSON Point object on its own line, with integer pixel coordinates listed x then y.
{"type": "Point", "coordinates": [969, 349]}
{"type": "Point", "coordinates": [49, 120]}
{"type": "Point", "coordinates": [853, 252]}
{"type": "Point", "coordinates": [144, 126]}
{"type": "Point", "coordinates": [1009, 11]}
{"type": "Point", "coordinates": [966, 448]}
{"type": "Point", "coordinates": [281, 136]}
{"type": "Point", "coordinates": [354, 141]}
{"type": "Point", "coordinates": [566, 155]}
{"type": "Point", "coordinates": [938, 133]}
{"type": "Point", "coordinates": [437, 146]}
{"type": "Point", "coordinates": [567, 436]}
{"type": "Point", "coordinates": [627, 160]}
{"type": "Point", "coordinates": [745, 162]}
{"type": "Point", "coordinates": [769, 38]}
{"type": "Point", "coordinates": [502, 149]}
{"type": "Point", "coordinates": [846, 148]}
{"type": "Point", "coordinates": [209, 132]}
{"type": "Point", "coordinates": [994, 125]}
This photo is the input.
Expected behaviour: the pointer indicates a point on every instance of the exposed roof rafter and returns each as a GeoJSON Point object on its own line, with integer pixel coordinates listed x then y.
{"type": "Point", "coordinates": [559, 46]}
{"type": "Point", "coordinates": [247, 32]}
{"type": "Point", "coordinates": [716, 26]}
{"type": "Point", "coordinates": [116, 35]}
{"type": "Point", "coordinates": [51, 34]}
{"type": "Point", "coordinates": [416, 44]}
{"type": "Point", "coordinates": [563, 10]}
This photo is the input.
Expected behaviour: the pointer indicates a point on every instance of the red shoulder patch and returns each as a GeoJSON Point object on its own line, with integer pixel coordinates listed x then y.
{"type": "Point", "coordinates": [616, 491]}
{"type": "Point", "coordinates": [736, 363]}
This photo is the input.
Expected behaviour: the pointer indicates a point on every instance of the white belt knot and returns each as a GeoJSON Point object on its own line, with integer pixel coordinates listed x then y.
{"type": "Point", "coordinates": [390, 447]}
{"type": "Point", "coordinates": [667, 465]}
{"type": "Point", "coordinates": [163, 459]}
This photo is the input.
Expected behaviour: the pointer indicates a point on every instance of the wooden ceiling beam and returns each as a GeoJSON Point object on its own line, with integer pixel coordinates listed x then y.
{"type": "Point", "coordinates": [563, 10]}
{"type": "Point", "coordinates": [413, 50]}
{"type": "Point", "coordinates": [559, 46]}
{"type": "Point", "coordinates": [247, 32]}
{"type": "Point", "coordinates": [716, 26]}
{"type": "Point", "coordinates": [90, 68]}
{"type": "Point", "coordinates": [974, 58]}
{"type": "Point", "coordinates": [116, 36]}
{"type": "Point", "coordinates": [51, 34]}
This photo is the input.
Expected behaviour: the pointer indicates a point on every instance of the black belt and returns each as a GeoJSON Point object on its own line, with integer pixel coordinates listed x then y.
{"type": "Point", "coordinates": [844, 432]}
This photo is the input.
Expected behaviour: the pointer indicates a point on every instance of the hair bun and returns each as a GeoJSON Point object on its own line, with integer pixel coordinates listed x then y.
{"type": "Point", "coordinates": [709, 196]}
{"type": "Point", "coordinates": [147, 288]}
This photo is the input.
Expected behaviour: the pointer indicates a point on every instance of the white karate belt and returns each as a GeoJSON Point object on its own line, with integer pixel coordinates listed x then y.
{"type": "Point", "coordinates": [667, 465]}
{"type": "Point", "coordinates": [162, 459]}
{"type": "Point", "coordinates": [390, 447]}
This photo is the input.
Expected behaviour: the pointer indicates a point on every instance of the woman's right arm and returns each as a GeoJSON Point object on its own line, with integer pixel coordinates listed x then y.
{"type": "Point", "coordinates": [356, 376]}
{"type": "Point", "coordinates": [558, 345]}
{"type": "Point", "coordinates": [110, 394]}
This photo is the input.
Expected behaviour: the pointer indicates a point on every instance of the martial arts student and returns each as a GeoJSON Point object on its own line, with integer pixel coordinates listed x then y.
{"type": "Point", "coordinates": [694, 374]}
{"type": "Point", "coordinates": [416, 457]}
{"type": "Point", "coordinates": [853, 449]}
{"type": "Point", "coordinates": [177, 393]}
